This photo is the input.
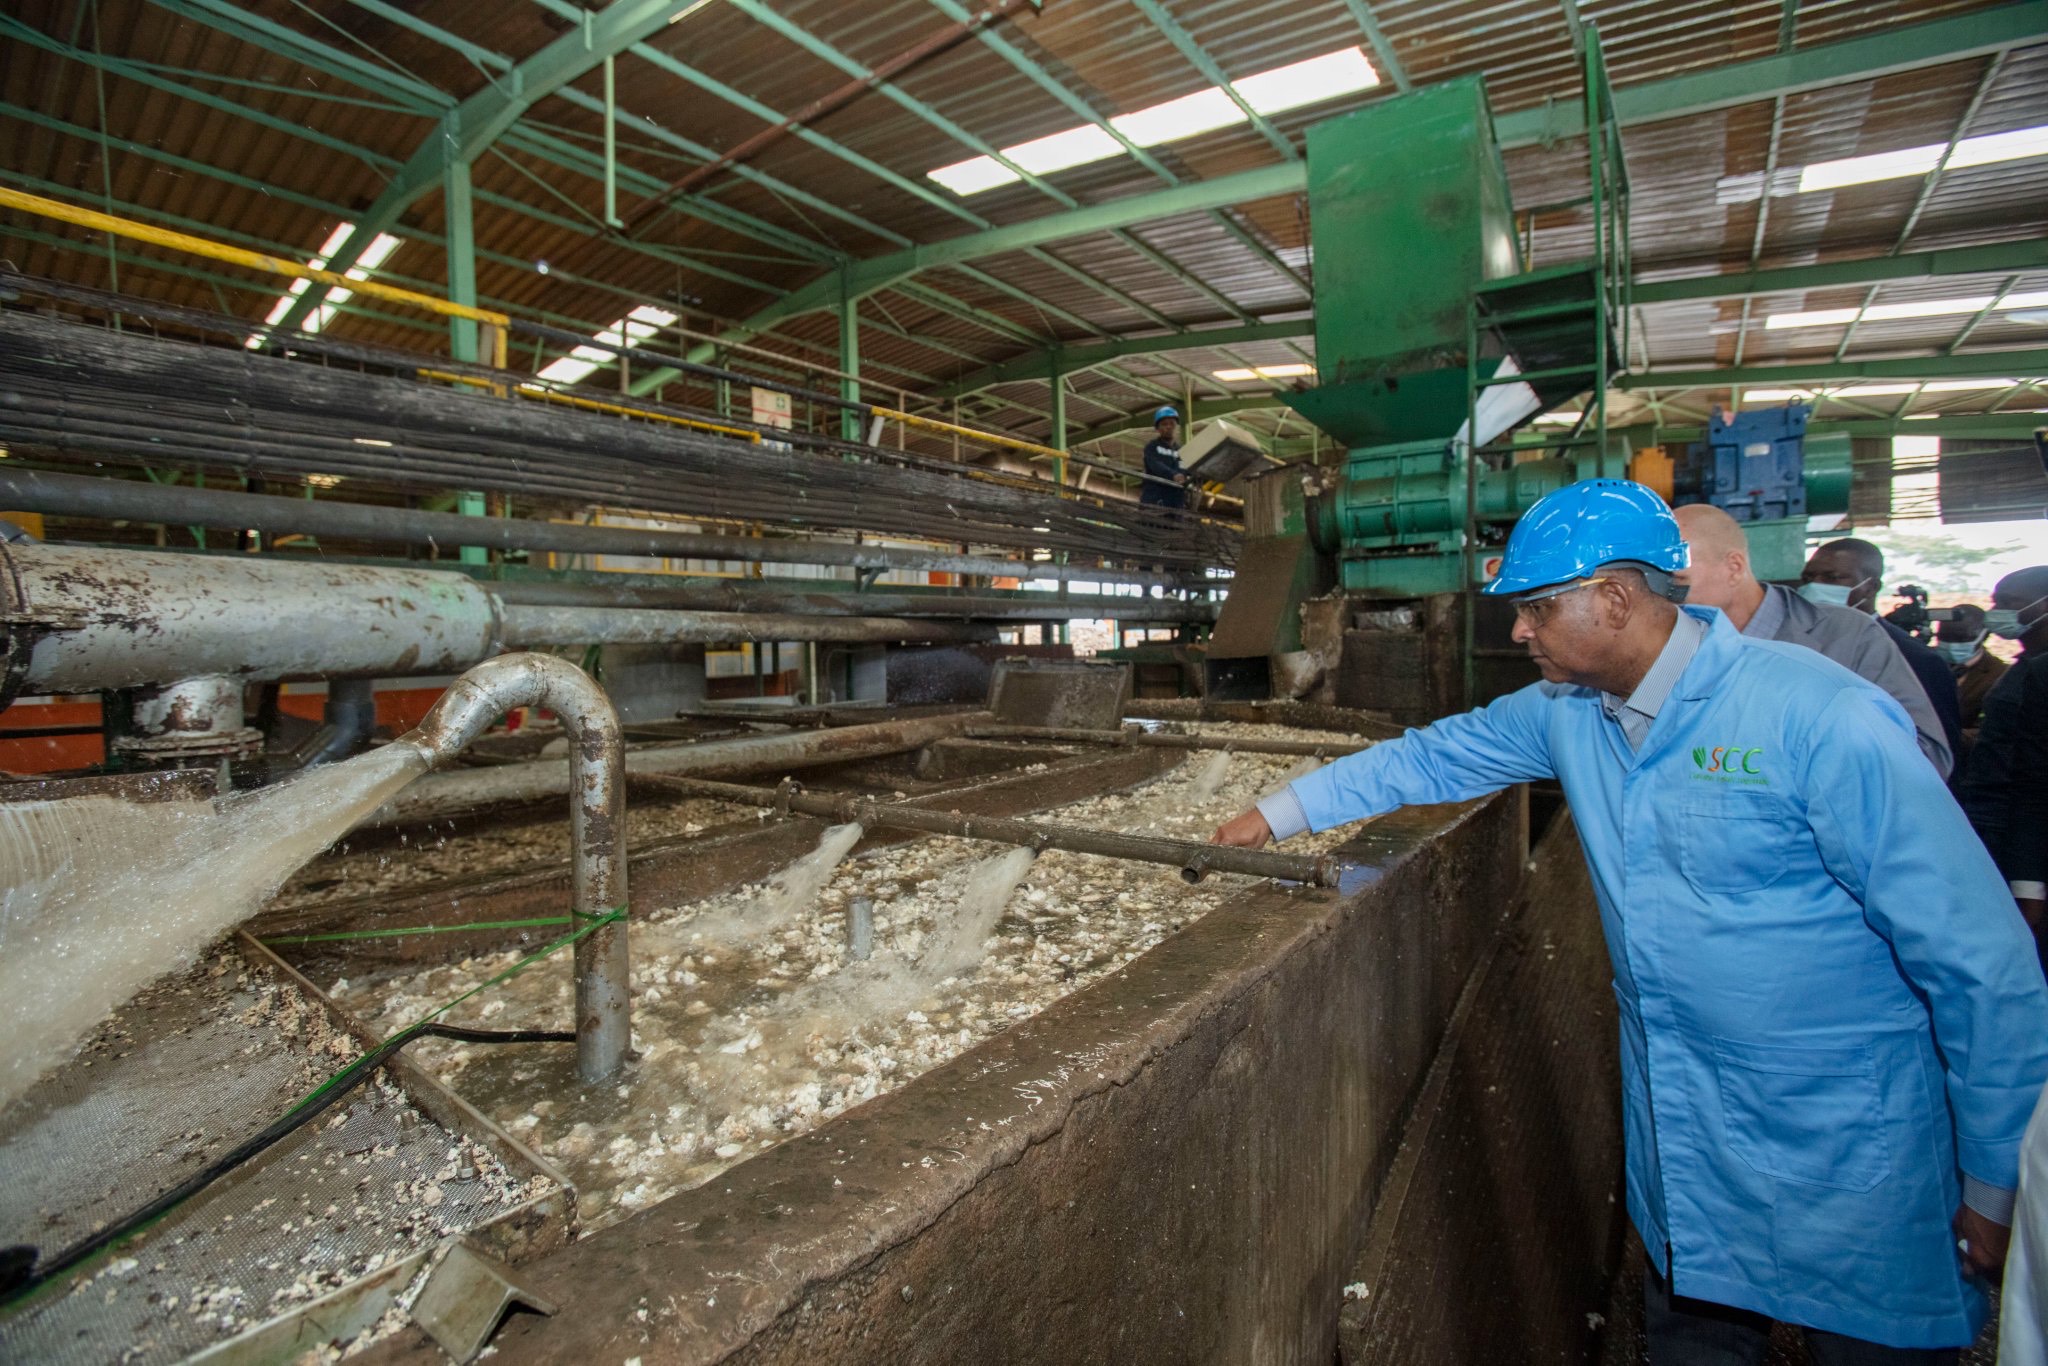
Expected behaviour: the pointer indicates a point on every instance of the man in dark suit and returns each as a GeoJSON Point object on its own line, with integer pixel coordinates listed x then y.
{"type": "Point", "coordinates": [2004, 791]}
{"type": "Point", "coordinates": [1849, 573]}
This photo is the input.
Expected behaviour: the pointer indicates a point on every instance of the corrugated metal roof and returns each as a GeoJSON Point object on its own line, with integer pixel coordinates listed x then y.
{"type": "Point", "coordinates": [854, 184]}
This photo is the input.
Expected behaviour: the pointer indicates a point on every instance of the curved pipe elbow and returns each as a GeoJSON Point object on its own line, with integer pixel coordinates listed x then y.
{"type": "Point", "coordinates": [473, 702]}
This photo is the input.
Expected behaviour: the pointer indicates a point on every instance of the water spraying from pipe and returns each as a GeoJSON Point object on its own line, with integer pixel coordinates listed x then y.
{"type": "Point", "coordinates": [962, 940]}
{"type": "Point", "coordinates": [1300, 770]}
{"type": "Point", "coordinates": [788, 896]}
{"type": "Point", "coordinates": [1214, 770]}
{"type": "Point", "coordinates": [99, 897]}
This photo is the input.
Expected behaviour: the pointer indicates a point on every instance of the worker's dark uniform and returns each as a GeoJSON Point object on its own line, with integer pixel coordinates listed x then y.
{"type": "Point", "coordinates": [1162, 461]}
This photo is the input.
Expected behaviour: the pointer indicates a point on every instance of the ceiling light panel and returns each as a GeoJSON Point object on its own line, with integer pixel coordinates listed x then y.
{"type": "Point", "coordinates": [973, 175]}
{"type": "Point", "coordinates": [1301, 83]}
{"type": "Point", "coordinates": [1059, 151]}
{"type": "Point", "coordinates": [1202, 112]}
{"type": "Point", "coordinates": [2016, 145]}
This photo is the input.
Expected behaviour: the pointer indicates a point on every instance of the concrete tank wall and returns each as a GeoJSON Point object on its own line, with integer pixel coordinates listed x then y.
{"type": "Point", "coordinates": [1175, 1163]}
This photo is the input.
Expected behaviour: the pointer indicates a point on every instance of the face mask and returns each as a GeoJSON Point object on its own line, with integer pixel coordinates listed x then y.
{"type": "Point", "coordinates": [2004, 622]}
{"type": "Point", "coordinates": [1958, 651]}
{"type": "Point", "coordinates": [1826, 594]}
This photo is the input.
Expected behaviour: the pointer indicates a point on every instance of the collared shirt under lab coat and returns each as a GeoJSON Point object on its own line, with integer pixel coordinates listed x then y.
{"type": "Point", "coordinates": [1797, 915]}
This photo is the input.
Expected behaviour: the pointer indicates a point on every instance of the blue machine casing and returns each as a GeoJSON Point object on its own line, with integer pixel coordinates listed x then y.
{"type": "Point", "coordinates": [1755, 464]}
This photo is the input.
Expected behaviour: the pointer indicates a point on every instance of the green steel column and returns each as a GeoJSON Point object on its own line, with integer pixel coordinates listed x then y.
{"type": "Point", "coordinates": [461, 230]}
{"type": "Point", "coordinates": [849, 355]}
{"type": "Point", "coordinates": [1059, 443]}
{"type": "Point", "coordinates": [462, 339]}
{"type": "Point", "coordinates": [1059, 415]}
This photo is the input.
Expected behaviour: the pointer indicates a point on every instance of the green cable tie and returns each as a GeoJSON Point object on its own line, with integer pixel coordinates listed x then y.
{"type": "Point", "coordinates": [616, 913]}
{"type": "Point", "coordinates": [340, 936]}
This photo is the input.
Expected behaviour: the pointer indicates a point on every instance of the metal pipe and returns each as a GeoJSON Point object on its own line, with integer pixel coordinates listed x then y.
{"type": "Point", "coordinates": [72, 495]}
{"type": "Point", "coordinates": [445, 794]}
{"type": "Point", "coordinates": [345, 722]}
{"type": "Point", "coordinates": [84, 619]}
{"type": "Point", "coordinates": [1318, 749]}
{"type": "Point", "coordinates": [530, 628]}
{"type": "Point", "coordinates": [597, 824]}
{"type": "Point", "coordinates": [1194, 860]}
{"type": "Point", "coordinates": [724, 595]}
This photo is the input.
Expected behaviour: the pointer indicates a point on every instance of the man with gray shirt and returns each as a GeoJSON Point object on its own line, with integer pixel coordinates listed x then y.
{"type": "Point", "coordinates": [1720, 577]}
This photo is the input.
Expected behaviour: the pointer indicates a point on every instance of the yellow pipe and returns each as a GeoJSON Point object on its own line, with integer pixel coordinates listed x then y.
{"type": "Point", "coordinates": [237, 256]}
{"type": "Point", "coordinates": [932, 424]}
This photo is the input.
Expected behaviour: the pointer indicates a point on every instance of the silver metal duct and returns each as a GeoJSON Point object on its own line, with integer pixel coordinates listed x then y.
{"type": "Point", "coordinates": [83, 619]}
{"type": "Point", "coordinates": [597, 823]}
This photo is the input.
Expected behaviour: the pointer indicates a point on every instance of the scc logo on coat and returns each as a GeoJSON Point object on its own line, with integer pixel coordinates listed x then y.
{"type": "Point", "coordinates": [1727, 759]}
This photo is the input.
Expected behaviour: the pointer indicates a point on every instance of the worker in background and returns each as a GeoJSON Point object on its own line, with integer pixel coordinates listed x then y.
{"type": "Point", "coordinates": [2005, 789]}
{"type": "Point", "coordinates": [1960, 643]}
{"type": "Point", "coordinates": [1720, 576]}
{"type": "Point", "coordinates": [1162, 461]}
{"type": "Point", "coordinates": [1850, 573]}
{"type": "Point", "coordinates": [1832, 1031]}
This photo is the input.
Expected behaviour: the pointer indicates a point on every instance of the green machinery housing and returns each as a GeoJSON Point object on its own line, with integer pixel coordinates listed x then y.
{"type": "Point", "coordinates": [1436, 347]}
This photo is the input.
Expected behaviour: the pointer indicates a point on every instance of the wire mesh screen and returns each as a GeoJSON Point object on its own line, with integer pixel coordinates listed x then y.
{"type": "Point", "coordinates": [1992, 481]}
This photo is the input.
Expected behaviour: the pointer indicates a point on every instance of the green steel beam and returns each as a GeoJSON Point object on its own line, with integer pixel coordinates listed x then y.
{"type": "Point", "coordinates": [1973, 365]}
{"type": "Point", "coordinates": [1999, 257]}
{"type": "Point", "coordinates": [1896, 49]}
{"type": "Point", "coordinates": [1039, 365]}
{"type": "Point", "coordinates": [1185, 44]}
{"type": "Point", "coordinates": [477, 122]}
{"type": "Point", "coordinates": [1982, 426]}
{"type": "Point", "coordinates": [15, 29]}
{"type": "Point", "coordinates": [415, 97]}
{"type": "Point", "coordinates": [1197, 411]}
{"type": "Point", "coordinates": [397, 87]}
{"type": "Point", "coordinates": [460, 222]}
{"type": "Point", "coordinates": [1384, 58]}
{"type": "Point", "coordinates": [2028, 255]}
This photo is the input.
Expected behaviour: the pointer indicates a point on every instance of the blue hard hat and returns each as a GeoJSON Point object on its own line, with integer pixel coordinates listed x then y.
{"type": "Point", "coordinates": [1580, 527]}
{"type": "Point", "coordinates": [1165, 413]}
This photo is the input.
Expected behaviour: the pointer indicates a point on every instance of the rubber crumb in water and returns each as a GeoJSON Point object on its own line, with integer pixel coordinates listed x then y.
{"type": "Point", "coordinates": [741, 1043]}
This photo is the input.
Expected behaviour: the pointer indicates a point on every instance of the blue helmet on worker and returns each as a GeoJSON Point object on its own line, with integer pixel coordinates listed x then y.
{"type": "Point", "coordinates": [1164, 413]}
{"type": "Point", "coordinates": [1580, 527]}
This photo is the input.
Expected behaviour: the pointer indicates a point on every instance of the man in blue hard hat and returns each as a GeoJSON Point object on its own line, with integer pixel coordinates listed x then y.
{"type": "Point", "coordinates": [1832, 1027]}
{"type": "Point", "coordinates": [1162, 462]}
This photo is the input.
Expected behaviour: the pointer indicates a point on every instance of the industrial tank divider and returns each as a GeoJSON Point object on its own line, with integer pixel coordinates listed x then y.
{"type": "Point", "coordinates": [1238, 1089]}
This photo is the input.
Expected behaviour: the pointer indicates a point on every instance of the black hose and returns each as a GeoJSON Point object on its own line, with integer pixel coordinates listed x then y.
{"type": "Point", "coordinates": [25, 1274]}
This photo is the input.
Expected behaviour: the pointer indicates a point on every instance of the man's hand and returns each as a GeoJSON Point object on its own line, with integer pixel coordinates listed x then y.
{"type": "Point", "coordinates": [1981, 1244]}
{"type": "Point", "coordinates": [1248, 831]}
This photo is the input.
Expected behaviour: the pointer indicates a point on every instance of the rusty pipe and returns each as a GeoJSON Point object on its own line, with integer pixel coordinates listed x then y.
{"type": "Point", "coordinates": [1194, 860]}
{"type": "Point", "coordinates": [540, 627]}
{"type": "Point", "coordinates": [597, 823]}
{"type": "Point", "coordinates": [1313, 749]}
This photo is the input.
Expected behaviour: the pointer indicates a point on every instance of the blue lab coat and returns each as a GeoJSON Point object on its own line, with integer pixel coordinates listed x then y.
{"type": "Point", "coordinates": [1830, 1007]}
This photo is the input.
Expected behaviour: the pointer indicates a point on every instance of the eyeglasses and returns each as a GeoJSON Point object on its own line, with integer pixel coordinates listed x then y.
{"type": "Point", "coordinates": [1534, 610]}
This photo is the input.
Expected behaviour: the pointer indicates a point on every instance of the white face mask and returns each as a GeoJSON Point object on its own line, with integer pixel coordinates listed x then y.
{"type": "Point", "coordinates": [1827, 594]}
{"type": "Point", "coordinates": [1959, 651]}
{"type": "Point", "coordinates": [2005, 621]}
